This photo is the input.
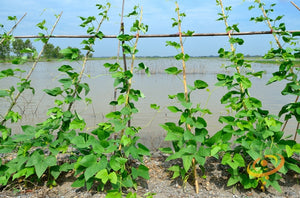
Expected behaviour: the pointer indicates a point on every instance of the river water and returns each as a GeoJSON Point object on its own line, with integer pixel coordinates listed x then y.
{"type": "Point", "coordinates": [155, 87]}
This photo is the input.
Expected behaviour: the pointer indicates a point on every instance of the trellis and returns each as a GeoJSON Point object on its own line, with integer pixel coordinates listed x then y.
{"type": "Point", "coordinates": [14, 101]}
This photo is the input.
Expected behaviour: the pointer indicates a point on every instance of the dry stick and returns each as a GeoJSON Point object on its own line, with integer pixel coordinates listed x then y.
{"type": "Point", "coordinates": [295, 136]}
{"type": "Point", "coordinates": [14, 101]}
{"type": "Point", "coordinates": [232, 48]}
{"type": "Point", "coordinates": [12, 29]}
{"type": "Point", "coordinates": [280, 46]}
{"type": "Point", "coordinates": [118, 55]}
{"type": "Point", "coordinates": [162, 35]}
{"type": "Point", "coordinates": [131, 70]}
{"type": "Point", "coordinates": [121, 29]}
{"type": "Point", "coordinates": [269, 24]}
{"type": "Point", "coordinates": [133, 57]}
{"type": "Point", "coordinates": [295, 5]}
{"type": "Point", "coordinates": [186, 92]}
{"type": "Point", "coordinates": [84, 64]}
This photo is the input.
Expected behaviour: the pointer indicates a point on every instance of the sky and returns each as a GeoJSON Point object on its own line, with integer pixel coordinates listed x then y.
{"type": "Point", "coordinates": [200, 17]}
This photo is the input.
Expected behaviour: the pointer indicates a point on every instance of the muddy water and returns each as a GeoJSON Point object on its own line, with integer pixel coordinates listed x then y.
{"type": "Point", "coordinates": [156, 89]}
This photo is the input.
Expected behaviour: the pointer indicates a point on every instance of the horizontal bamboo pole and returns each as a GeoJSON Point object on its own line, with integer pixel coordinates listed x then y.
{"type": "Point", "coordinates": [157, 35]}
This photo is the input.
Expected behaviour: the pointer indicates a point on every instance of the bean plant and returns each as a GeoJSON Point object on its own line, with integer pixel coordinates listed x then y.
{"type": "Point", "coordinates": [110, 158]}
{"type": "Point", "coordinates": [286, 54]}
{"type": "Point", "coordinates": [111, 155]}
{"type": "Point", "coordinates": [38, 147]}
{"type": "Point", "coordinates": [256, 132]}
{"type": "Point", "coordinates": [189, 135]}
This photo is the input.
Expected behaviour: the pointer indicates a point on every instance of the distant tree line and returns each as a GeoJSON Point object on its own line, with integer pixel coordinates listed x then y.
{"type": "Point", "coordinates": [17, 48]}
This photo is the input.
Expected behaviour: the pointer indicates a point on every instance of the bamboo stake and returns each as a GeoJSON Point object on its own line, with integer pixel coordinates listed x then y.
{"type": "Point", "coordinates": [131, 70]}
{"type": "Point", "coordinates": [269, 24]}
{"type": "Point", "coordinates": [121, 29]}
{"type": "Point", "coordinates": [194, 167]}
{"type": "Point", "coordinates": [280, 46]}
{"type": "Point", "coordinates": [124, 62]}
{"type": "Point", "coordinates": [14, 101]}
{"type": "Point", "coordinates": [84, 63]}
{"type": "Point", "coordinates": [12, 29]}
{"type": "Point", "coordinates": [162, 35]}
{"type": "Point", "coordinates": [118, 54]}
{"type": "Point", "coordinates": [295, 136]}
{"type": "Point", "coordinates": [232, 48]}
{"type": "Point", "coordinates": [295, 5]}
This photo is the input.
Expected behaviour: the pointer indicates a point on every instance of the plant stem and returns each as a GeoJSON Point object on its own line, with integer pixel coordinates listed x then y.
{"type": "Point", "coordinates": [280, 46]}
{"type": "Point", "coordinates": [182, 51]}
{"type": "Point", "coordinates": [118, 54]}
{"type": "Point", "coordinates": [1, 41]}
{"type": "Point", "coordinates": [269, 24]}
{"type": "Point", "coordinates": [232, 49]}
{"type": "Point", "coordinates": [14, 101]}
{"type": "Point", "coordinates": [131, 70]}
{"type": "Point", "coordinates": [84, 63]}
{"type": "Point", "coordinates": [295, 136]}
{"type": "Point", "coordinates": [194, 167]}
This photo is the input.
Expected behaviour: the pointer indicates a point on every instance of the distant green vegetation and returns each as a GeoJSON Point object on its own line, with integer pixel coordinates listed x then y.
{"type": "Point", "coordinates": [273, 61]}
{"type": "Point", "coordinates": [19, 49]}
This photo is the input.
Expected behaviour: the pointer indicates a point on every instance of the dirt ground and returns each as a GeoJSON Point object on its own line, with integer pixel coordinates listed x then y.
{"type": "Point", "coordinates": [163, 186]}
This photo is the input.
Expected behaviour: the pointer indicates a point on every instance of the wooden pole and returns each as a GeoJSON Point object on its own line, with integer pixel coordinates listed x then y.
{"type": "Point", "coordinates": [295, 5]}
{"type": "Point", "coordinates": [12, 29]}
{"type": "Point", "coordinates": [14, 101]}
{"type": "Point", "coordinates": [161, 35]}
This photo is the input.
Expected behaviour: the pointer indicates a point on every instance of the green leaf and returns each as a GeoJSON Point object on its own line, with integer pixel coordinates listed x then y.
{"type": "Point", "coordinates": [143, 150]}
{"type": "Point", "coordinates": [173, 44]}
{"type": "Point", "coordinates": [113, 178]}
{"type": "Point", "coordinates": [176, 169]}
{"type": "Point", "coordinates": [189, 33]}
{"type": "Point", "coordinates": [226, 119]}
{"type": "Point", "coordinates": [99, 35]}
{"type": "Point", "coordinates": [37, 160]}
{"type": "Point", "coordinates": [88, 160]}
{"type": "Point", "coordinates": [233, 180]}
{"type": "Point", "coordinates": [182, 56]}
{"type": "Point", "coordinates": [166, 150]}
{"type": "Point", "coordinates": [173, 71]}
{"type": "Point", "coordinates": [199, 84]}
{"type": "Point", "coordinates": [131, 195]}
{"type": "Point", "coordinates": [53, 92]}
{"type": "Point", "coordinates": [292, 166]}
{"type": "Point", "coordinates": [125, 140]}
{"type": "Point", "coordinates": [103, 175]}
{"type": "Point", "coordinates": [239, 160]}
{"type": "Point", "coordinates": [77, 124]}
{"type": "Point", "coordinates": [114, 163]}
{"type": "Point", "coordinates": [4, 93]}
{"type": "Point", "coordinates": [80, 182]}
{"type": "Point", "coordinates": [296, 34]}
{"type": "Point", "coordinates": [174, 109]}
{"type": "Point", "coordinates": [79, 142]}
{"type": "Point", "coordinates": [124, 37]}
{"type": "Point", "coordinates": [114, 195]}
{"type": "Point", "coordinates": [91, 171]}
{"type": "Point", "coordinates": [187, 162]}
{"type": "Point", "coordinates": [154, 106]}
{"type": "Point", "coordinates": [141, 171]}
